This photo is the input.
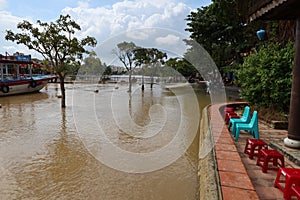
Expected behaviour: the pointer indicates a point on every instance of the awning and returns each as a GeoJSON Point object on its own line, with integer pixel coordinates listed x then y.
{"type": "Point", "coordinates": [274, 9]}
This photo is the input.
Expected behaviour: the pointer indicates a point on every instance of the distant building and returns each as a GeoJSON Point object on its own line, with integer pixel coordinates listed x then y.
{"type": "Point", "coordinates": [117, 69]}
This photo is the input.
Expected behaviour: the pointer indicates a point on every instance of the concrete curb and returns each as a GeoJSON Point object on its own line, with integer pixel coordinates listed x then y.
{"type": "Point", "coordinates": [209, 181]}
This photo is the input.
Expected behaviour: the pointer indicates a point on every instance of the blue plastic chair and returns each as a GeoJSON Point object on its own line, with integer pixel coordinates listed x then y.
{"type": "Point", "coordinates": [252, 126]}
{"type": "Point", "coordinates": [244, 119]}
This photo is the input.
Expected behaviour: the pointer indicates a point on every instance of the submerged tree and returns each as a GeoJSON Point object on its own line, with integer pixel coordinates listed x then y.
{"type": "Point", "coordinates": [56, 42]}
{"type": "Point", "coordinates": [125, 53]}
{"type": "Point", "coordinates": [156, 58]}
{"type": "Point", "coordinates": [151, 57]}
{"type": "Point", "coordinates": [141, 58]}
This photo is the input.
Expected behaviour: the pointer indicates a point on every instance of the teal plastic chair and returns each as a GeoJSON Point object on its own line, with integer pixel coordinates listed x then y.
{"type": "Point", "coordinates": [244, 119]}
{"type": "Point", "coordinates": [252, 126]}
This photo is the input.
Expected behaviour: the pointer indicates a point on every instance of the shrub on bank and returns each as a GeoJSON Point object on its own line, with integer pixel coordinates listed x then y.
{"type": "Point", "coordinates": [266, 76]}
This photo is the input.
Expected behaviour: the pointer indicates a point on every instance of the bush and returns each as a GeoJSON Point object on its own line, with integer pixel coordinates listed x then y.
{"type": "Point", "coordinates": [266, 76]}
{"type": "Point", "coordinates": [268, 115]}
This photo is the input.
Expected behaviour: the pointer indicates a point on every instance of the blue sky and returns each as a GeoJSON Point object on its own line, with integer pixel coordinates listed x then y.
{"type": "Point", "coordinates": [104, 20]}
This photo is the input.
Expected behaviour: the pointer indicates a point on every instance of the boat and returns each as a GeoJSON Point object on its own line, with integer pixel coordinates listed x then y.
{"type": "Point", "coordinates": [16, 75]}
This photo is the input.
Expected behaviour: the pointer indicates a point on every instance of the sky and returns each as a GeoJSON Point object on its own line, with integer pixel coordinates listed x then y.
{"type": "Point", "coordinates": [147, 23]}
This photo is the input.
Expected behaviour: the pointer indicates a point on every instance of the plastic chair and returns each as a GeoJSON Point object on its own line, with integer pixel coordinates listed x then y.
{"type": "Point", "coordinates": [244, 119]}
{"type": "Point", "coordinates": [252, 126]}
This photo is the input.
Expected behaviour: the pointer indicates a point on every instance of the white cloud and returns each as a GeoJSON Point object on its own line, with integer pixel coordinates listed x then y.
{"type": "Point", "coordinates": [168, 40]}
{"type": "Point", "coordinates": [137, 35]}
{"type": "Point", "coordinates": [83, 4]}
{"type": "Point", "coordinates": [129, 15]}
{"type": "Point", "coordinates": [165, 40]}
{"type": "Point", "coordinates": [125, 16]}
{"type": "Point", "coordinates": [104, 22]}
{"type": "Point", "coordinates": [3, 4]}
{"type": "Point", "coordinates": [9, 22]}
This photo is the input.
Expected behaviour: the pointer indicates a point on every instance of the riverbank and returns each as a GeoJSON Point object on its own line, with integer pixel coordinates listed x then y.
{"type": "Point", "coordinates": [237, 176]}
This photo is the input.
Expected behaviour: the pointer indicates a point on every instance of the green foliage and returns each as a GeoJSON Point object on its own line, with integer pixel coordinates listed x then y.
{"type": "Point", "coordinates": [182, 66]}
{"type": "Point", "coordinates": [56, 42]}
{"type": "Point", "coordinates": [107, 71]}
{"type": "Point", "coordinates": [151, 58]}
{"type": "Point", "coordinates": [92, 65]}
{"type": "Point", "coordinates": [220, 30]}
{"type": "Point", "coordinates": [148, 56]}
{"type": "Point", "coordinates": [223, 31]}
{"type": "Point", "coordinates": [266, 76]}
{"type": "Point", "coordinates": [125, 53]}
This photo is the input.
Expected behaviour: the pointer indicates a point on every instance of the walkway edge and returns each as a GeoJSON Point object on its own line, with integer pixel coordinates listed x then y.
{"type": "Point", "coordinates": [209, 183]}
{"type": "Point", "coordinates": [230, 173]}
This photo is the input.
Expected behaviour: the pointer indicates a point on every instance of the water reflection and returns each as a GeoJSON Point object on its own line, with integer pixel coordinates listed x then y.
{"type": "Point", "coordinates": [42, 156]}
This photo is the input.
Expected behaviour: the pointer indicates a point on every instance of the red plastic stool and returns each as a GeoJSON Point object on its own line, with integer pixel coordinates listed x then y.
{"type": "Point", "coordinates": [228, 116]}
{"type": "Point", "coordinates": [253, 146]}
{"type": "Point", "coordinates": [228, 109]}
{"type": "Point", "coordinates": [291, 176]}
{"type": "Point", "coordinates": [295, 191]}
{"type": "Point", "coordinates": [265, 156]}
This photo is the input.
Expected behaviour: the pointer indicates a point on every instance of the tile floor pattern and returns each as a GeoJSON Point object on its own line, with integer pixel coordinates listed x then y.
{"type": "Point", "coordinates": [240, 177]}
{"type": "Point", "coordinates": [263, 182]}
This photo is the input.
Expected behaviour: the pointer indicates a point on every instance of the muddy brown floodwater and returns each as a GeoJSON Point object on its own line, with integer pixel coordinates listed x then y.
{"type": "Point", "coordinates": [45, 153]}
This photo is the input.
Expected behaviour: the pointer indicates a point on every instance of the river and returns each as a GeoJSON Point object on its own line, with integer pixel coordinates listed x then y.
{"type": "Point", "coordinates": [106, 144]}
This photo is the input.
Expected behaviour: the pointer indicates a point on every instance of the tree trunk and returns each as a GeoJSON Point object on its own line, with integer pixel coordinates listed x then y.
{"type": "Point", "coordinates": [151, 84]}
{"type": "Point", "coordinates": [130, 84]}
{"type": "Point", "coordinates": [287, 30]}
{"type": "Point", "coordinates": [63, 91]}
{"type": "Point", "coordinates": [143, 81]}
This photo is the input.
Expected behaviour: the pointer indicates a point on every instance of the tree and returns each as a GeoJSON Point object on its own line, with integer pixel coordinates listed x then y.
{"type": "Point", "coordinates": [92, 65]}
{"type": "Point", "coordinates": [150, 57]}
{"type": "Point", "coordinates": [156, 57]}
{"type": "Point", "coordinates": [107, 71]}
{"type": "Point", "coordinates": [141, 58]}
{"type": "Point", "coordinates": [125, 53]}
{"type": "Point", "coordinates": [182, 66]}
{"type": "Point", "coordinates": [222, 31]}
{"type": "Point", "coordinates": [56, 42]}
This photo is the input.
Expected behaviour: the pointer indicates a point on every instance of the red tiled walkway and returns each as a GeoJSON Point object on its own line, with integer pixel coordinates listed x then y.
{"type": "Point", "coordinates": [240, 178]}
{"type": "Point", "coordinates": [235, 182]}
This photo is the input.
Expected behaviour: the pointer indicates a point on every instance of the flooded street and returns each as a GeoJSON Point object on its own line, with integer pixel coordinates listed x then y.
{"type": "Point", "coordinates": [51, 153]}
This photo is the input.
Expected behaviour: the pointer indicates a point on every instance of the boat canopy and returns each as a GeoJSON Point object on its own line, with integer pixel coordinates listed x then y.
{"type": "Point", "coordinates": [16, 59]}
